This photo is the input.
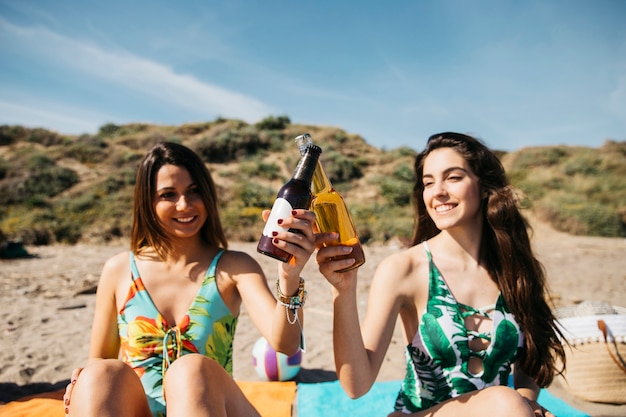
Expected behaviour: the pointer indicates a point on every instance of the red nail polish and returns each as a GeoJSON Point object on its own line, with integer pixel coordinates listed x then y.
{"type": "Point", "coordinates": [293, 212]}
{"type": "Point", "coordinates": [280, 221]}
{"type": "Point", "coordinates": [275, 241]}
{"type": "Point", "coordinates": [274, 234]}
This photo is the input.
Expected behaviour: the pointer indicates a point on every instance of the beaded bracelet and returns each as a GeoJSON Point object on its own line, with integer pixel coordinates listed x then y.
{"type": "Point", "coordinates": [292, 303]}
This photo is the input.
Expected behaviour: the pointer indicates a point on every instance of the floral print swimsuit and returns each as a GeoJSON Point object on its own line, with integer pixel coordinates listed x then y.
{"type": "Point", "coordinates": [438, 357]}
{"type": "Point", "coordinates": [149, 344]}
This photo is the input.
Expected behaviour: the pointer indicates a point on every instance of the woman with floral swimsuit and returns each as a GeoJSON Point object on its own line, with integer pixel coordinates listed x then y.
{"type": "Point", "coordinates": [469, 292]}
{"type": "Point", "coordinates": [169, 307]}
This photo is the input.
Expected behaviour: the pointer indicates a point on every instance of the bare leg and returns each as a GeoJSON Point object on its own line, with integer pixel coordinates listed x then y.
{"type": "Point", "coordinates": [196, 386]}
{"type": "Point", "coordinates": [499, 401]}
{"type": "Point", "coordinates": [108, 388]}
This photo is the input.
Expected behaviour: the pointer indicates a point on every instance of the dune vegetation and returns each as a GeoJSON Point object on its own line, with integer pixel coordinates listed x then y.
{"type": "Point", "coordinates": [57, 188]}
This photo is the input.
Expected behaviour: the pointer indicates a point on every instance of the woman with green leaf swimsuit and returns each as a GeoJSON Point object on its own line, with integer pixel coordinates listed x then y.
{"type": "Point", "coordinates": [438, 356]}
{"type": "Point", "coordinates": [470, 249]}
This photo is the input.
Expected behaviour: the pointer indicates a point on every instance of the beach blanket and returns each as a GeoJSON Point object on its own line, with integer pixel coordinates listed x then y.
{"type": "Point", "coordinates": [275, 399]}
{"type": "Point", "coordinates": [329, 400]}
{"type": "Point", "coordinates": [271, 399]}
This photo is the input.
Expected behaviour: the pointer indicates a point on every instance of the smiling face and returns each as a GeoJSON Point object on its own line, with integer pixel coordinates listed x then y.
{"type": "Point", "coordinates": [452, 194]}
{"type": "Point", "coordinates": [178, 204]}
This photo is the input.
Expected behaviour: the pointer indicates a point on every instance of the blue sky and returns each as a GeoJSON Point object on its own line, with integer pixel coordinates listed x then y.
{"type": "Point", "coordinates": [514, 73]}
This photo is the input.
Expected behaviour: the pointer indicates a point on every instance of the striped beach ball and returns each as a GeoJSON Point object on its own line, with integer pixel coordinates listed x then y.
{"type": "Point", "coordinates": [274, 366]}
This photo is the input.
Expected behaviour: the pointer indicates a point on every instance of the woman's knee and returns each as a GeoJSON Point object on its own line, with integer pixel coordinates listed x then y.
{"type": "Point", "coordinates": [202, 383]}
{"type": "Point", "coordinates": [186, 371]}
{"type": "Point", "coordinates": [102, 386]}
{"type": "Point", "coordinates": [194, 365]}
{"type": "Point", "coordinates": [506, 399]}
{"type": "Point", "coordinates": [198, 374]}
{"type": "Point", "coordinates": [105, 371]}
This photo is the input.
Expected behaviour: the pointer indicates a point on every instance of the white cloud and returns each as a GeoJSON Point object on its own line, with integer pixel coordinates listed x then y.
{"type": "Point", "coordinates": [40, 115]}
{"type": "Point", "coordinates": [135, 73]}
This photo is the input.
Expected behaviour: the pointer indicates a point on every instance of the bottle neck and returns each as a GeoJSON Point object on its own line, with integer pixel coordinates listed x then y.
{"type": "Point", "coordinates": [306, 167]}
{"type": "Point", "coordinates": [320, 183]}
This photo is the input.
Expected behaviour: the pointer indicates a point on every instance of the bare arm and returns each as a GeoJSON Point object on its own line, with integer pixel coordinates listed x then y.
{"type": "Point", "coordinates": [360, 351]}
{"type": "Point", "coordinates": [105, 339]}
{"type": "Point", "coordinates": [529, 389]}
{"type": "Point", "coordinates": [268, 315]}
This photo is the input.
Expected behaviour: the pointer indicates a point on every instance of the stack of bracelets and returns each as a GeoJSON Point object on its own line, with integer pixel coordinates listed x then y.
{"type": "Point", "coordinates": [292, 303]}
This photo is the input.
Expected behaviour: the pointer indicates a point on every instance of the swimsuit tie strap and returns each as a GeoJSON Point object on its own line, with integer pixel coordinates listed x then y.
{"type": "Point", "coordinates": [172, 336]}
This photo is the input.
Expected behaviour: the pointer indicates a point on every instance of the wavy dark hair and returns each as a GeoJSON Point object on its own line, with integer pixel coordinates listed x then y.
{"type": "Point", "coordinates": [505, 250]}
{"type": "Point", "coordinates": [146, 229]}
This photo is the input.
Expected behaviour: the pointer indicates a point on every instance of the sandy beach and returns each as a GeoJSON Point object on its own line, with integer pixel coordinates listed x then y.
{"type": "Point", "coordinates": [46, 305]}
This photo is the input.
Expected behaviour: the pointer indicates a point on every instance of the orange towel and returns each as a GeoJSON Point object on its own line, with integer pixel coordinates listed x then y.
{"type": "Point", "coordinates": [271, 399]}
{"type": "Point", "coordinates": [47, 404]}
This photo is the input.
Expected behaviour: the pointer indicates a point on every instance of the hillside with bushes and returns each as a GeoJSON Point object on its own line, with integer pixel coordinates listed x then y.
{"type": "Point", "coordinates": [57, 188]}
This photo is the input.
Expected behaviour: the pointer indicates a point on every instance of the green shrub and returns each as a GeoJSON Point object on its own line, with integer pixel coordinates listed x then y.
{"type": "Point", "coordinates": [242, 224]}
{"type": "Point", "coordinates": [541, 156]}
{"type": "Point", "coordinates": [44, 137]}
{"type": "Point", "coordinates": [4, 168]}
{"type": "Point", "coordinates": [11, 134]}
{"type": "Point", "coordinates": [585, 163]}
{"type": "Point", "coordinates": [341, 138]}
{"type": "Point", "coordinates": [108, 129]}
{"type": "Point", "coordinates": [231, 145]}
{"type": "Point", "coordinates": [274, 123]}
{"type": "Point", "coordinates": [398, 188]}
{"type": "Point", "coordinates": [397, 193]}
{"type": "Point", "coordinates": [191, 129]}
{"type": "Point", "coordinates": [270, 171]}
{"type": "Point", "coordinates": [36, 200]}
{"type": "Point", "coordinates": [88, 149]}
{"type": "Point", "coordinates": [577, 215]}
{"type": "Point", "coordinates": [342, 169]}
{"type": "Point", "coordinates": [276, 140]}
{"type": "Point", "coordinates": [126, 159]}
{"type": "Point", "coordinates": [29, 226]}
{"type": "Point", "coordinates": [380, 223]}
{"type": "Point", "coordinates": [38, 162]}
{"type": "Point", "coordinates": [404, 173]}
{"type": "Point", "coordinates": [250, 194]}
{"type": "Point", "coordinates": [47, 181]}
{"type": "Point", "coordinates": [403, 152]}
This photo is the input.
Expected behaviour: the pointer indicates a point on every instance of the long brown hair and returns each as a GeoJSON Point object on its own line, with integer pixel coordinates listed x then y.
{"type": "Point", "coordinates": [146, 229]}
{"type": "Point", "coordinates": [505, 250]}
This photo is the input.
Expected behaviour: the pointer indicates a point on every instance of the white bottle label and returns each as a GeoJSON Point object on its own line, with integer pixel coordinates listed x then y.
{"type": "Point", "coordinates": [280, 210]}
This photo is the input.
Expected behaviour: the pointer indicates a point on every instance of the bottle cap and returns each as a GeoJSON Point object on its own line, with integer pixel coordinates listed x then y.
{"type": "Point", "coordinates": [313, 148]}
{"type": "Point", "coordinates": [302, 141]}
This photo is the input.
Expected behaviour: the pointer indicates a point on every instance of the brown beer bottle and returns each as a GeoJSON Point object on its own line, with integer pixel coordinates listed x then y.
{"type": "Point", "coordinates": [295, 194]}
{"type": "Point", "coordinates": [331, 212]}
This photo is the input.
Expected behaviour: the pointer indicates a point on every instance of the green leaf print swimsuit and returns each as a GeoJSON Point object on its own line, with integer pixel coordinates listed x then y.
{"type": "Point", "coordinates": [438, 357]}
{"type": "Point", "coordinates": [149, 344]}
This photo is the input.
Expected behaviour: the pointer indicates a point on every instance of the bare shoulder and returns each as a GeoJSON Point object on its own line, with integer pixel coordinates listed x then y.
{"type": "Point", "coordinates": [403, 274]}
{"type": "Point", "coordinates": [236, 263]}
{"type": "Point", "coordinates": [116, 266]}
{"type": "Point", "coordinates": [118, 260]}
{"type": "Point", "coordinates": [403, 264]}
